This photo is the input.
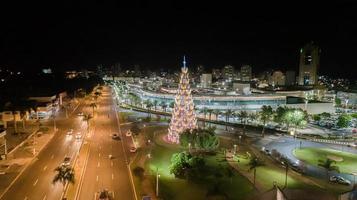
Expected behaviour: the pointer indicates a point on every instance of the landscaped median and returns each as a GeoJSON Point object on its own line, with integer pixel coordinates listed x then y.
{"type": "Point", "coordinates": [347, 162]}
{"type": "Point", "coordinates": [72, 191]}
{"type": "Point", "coordinates": [215, 181]}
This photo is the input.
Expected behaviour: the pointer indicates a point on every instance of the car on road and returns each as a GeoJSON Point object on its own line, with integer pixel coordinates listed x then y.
{"type": "Point", "coordinates": [104, 195]}
{"type": "Point", "coordinates": [133, 149]}
{"type": "Point", "coordinates": [116, 137]}
{"type": "Point", "coordinates": [128, 133]}
{"type": "Point", "coordinates": [267, 152]}
{"type": "Point", "coordinates": [66, 161]}
{"type": "Point", "coordinates": [78, 135]}
{"type": "Point", "coordinates": [339, 180]}
{"type": "Point", "coordinates": [70, 132]}
{"type": "Point", "coordinates": [80, 114]}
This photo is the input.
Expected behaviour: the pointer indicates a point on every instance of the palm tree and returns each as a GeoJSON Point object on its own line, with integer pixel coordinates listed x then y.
{"type": "Point", "coordinates": [93, 105]}
{"type": "Point", "coordinates": [63, 175]}
{"type": "Point", "coordinates": [204, 112]}
{"type": "Point", "coordinates": [228, 114]}
{"type": "Point", "coordinates": [252, 116]}
{"type": "Point", "coordinates": [265, 115]}
{"type": "Point", "coordinates": [172, 105]}
{"type": "Point", "coordinates": [254, 162]}
{"type": "Point", "coordinates": [210, 111]}
{"type": "Point", "coordinates": [163, 105]}
{"type": "Point", "coordinates": [148, 104]}
{"type": "Point", "coordinates": [216, 113]}
{"type": "Point", "coordinates": [243, 115]}
{"type": "Point", "coordinates": [87, 119]}
{"type": "Point", "coordinates": [328, 165]}
{"type": "Point", "coordinates": [155, 104]}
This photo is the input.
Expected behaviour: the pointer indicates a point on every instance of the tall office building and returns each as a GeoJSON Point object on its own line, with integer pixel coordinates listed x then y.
{"type": "Point", "coordinates": [228, 72]}
{"type": "Point", "coordinates": [216, 73]}
{"type": "Point", "coordinates": [246, 73]}
{"type": "Point", "coordinates": [309, 64]}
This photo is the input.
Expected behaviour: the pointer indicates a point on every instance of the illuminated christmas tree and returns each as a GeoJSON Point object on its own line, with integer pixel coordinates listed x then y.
{"type": "Point", "coordinates": [183, 114]}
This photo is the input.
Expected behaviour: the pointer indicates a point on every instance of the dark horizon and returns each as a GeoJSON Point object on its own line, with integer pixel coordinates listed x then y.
{"type": "Point", "coordinates": [156, 35]}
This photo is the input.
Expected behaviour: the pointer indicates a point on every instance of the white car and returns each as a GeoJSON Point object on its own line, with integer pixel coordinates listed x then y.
{"type": "Point", "coordinates": [132, 149]}
{"type": "Point", "coordinates": [128, 133]}
{"type": "Point", "coordinates": [78, 136]}
{"type": "Point", "coordinates": [70, 131]}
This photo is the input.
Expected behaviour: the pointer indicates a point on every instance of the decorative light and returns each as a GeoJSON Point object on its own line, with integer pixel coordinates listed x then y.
{"type": "Point", "coordinates": [183, 115]}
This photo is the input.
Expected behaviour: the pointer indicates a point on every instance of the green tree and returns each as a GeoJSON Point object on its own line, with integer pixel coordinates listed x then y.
{"type": "Point", "coordinates": [228, 113]}
{"type": "Point", "coordinates": [343, 120]}
{"type": "Point", "coordinates": [328, 165]}
{"type": "Point", "coordinates": [135, 129]}
{"type": "Point", "coordinates": [216, 113]}
{"type": "Point", "coordinates": [163, 105]}
{"type": "Point", "coordinates": [182, 163]}
{"type": "Point", "coordinates": [204, 140]}
{"type": "Point", "coordinates": [172, 105]}
{"type": "Point", "coordinates": [155, 103]}
{"type": "Point", "coordinates": [243, 116]}
{"type": "Point", "coordinates": [254, 162]}
{"type": "Point", "coordinates": [265, 115]}
{"type": "Point", "coordinates": [63, 175]}
{"type": "Point", "coordinates": [149, 105]}
{"type": "Point", "coordinates": [338, 102]}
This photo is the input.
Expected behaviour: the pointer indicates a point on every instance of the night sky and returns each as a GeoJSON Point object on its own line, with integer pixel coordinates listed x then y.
{"type": "Point", "coordinates": [156, 34]}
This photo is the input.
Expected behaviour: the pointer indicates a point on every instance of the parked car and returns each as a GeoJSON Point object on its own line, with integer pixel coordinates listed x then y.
{"type": "Point", "coordinates": [66, 161]}
{"type": "Point", "coordinates": [340, 180]}
{"type": "Point", "coordinates": [69, 132]}
{"type": "Point", "coordinates": [78, 135]}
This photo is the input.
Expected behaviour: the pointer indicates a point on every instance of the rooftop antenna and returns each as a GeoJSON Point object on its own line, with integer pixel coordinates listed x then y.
{"type": "Point", "coordinates": [184, 61]}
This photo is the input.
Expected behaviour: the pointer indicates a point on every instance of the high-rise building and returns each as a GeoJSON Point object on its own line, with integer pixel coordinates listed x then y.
{"type": "Point", "coordinates": [246, 73]}
{"type": "Point", "coordinates": [216, 73]}
{"type": "Point", "coordinates": [309, 64]}
{"type": "Point", "coordinates": [228, 72]}
{"type": "Point", "coordinates": [290, 78]}
{"type": "Point", "coordinates": [206, 80]}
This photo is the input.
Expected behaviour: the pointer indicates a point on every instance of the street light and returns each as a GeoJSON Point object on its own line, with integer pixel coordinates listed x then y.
{"type": "Point", "coordinates": [235, 149]}
{"type": "Point", "coordinates": [240, 139]}
{"type": "Point", "coordinates": [157, 181]}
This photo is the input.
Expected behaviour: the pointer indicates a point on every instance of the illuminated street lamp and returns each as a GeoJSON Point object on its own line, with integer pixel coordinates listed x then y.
{"type": "Point", "coordinates": [235, 149]}
{"type": "Point", "coordinates": [157, 181]}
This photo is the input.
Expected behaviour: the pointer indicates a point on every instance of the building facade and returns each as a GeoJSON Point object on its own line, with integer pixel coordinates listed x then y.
{"type": "Point", "coordinates": [206, 80]}
{"type": "Point", "coordinates": [246, 73]}
{"type": "Point", "coordinates": [309, 64]}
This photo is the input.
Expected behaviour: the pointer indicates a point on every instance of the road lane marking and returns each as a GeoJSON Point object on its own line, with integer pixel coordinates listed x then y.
{"type": "Point", "coordinates": [111, 163]}
{"type": "Point", "coordinates": [113, 194]}
{"type": "Point", "coordinates": [44, 198]}
{"type": "Point", "coordinates": [34, 184]}
{"type": "Point", "coordinates": [99, 154]}
{"type": "Point", "coordinates": [112, 176]}
{"type": "Point", "coordinates": [45, 168]}
{"type": "Point", "coordinates": [97, 178]}
{"type": "Point", "coordinates": [98, 164]}
{"type": "Point", "coordinates": [25, 198]}
{"type": "Point", "coordinates": [52, 156]}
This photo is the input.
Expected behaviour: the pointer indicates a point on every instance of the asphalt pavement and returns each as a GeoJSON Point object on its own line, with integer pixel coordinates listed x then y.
{"type": "Point", "coordinates": [101, 171]}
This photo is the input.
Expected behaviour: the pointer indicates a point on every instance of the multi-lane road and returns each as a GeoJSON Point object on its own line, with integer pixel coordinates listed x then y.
{"type": "Point", "coordinates": [103, 172]}
{"type": "Point", "coordinates": [100, 172]}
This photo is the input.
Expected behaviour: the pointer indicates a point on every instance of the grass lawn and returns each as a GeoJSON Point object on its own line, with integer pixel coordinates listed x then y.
{"type": "Point", "coordinates": [347, 162]}
{"type": "Point", "coordinates": [267, 175]}
{"type": "Point", "coordinates": [173, 188]}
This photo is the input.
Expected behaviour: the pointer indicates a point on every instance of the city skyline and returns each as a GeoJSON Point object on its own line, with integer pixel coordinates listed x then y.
{"type": "Point", "coordinates": [156, 35]}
